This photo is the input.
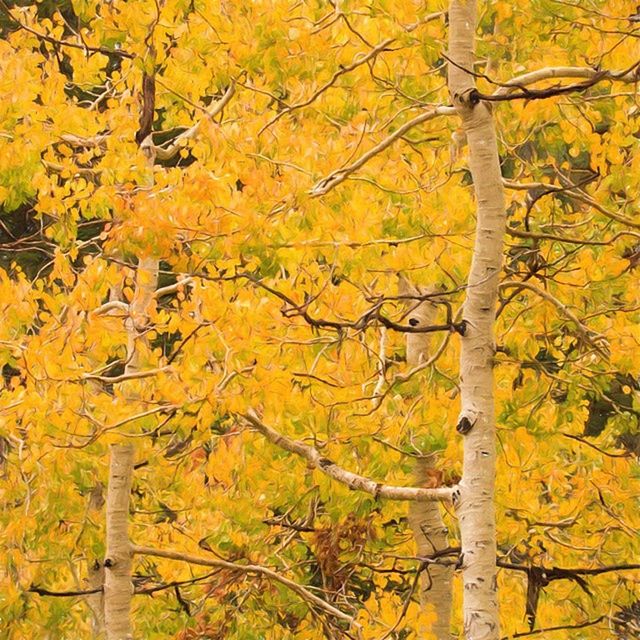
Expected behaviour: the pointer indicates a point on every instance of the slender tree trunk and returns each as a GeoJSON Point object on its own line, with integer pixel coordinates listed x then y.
{"type": "Point", "coordinates": [430, 535]}
{"type": "Point", "coordinates": [146, 285]}
{"type": "Point", "coordinates": [118, 588]}
{"type": "Point", "coordinates": [425, 519]}
{"type": "Point", "coordinates": [96, 600]}
{"type": "Point", "coordinates": [475, 505]}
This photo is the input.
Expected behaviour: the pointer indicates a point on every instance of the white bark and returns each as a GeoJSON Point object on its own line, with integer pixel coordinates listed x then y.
{"type": "Point", "coordinates": [430, 535]}
{"type": "Point", "coordinates": [425, 518]}
{"type": "Point", "coordinates": [144, 295]}
{"type": "Point", "coordinates": [419, 314]}
{"type": "Point", "coordinates": [118, 588]}
{"type": "Point", "coordinates": [475, 504]}
{"type": "Point", "coordinates": [95, 601]}
{"type": "Point", "coordinates": [352, 480]}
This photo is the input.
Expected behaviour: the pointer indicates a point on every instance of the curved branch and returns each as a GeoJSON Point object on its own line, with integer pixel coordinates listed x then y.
{"type": "Point", "coordinates": [303, 592]}
{"type": "Point", "coordinates": [340, 175]}
{"type": "Point", "coordinates": [340, 72]}
{"type": "Point", "coordinates": [352, 480]}
{"type": "Point", "coordinates": [591, 76]}
{"type": "Point", "coordinates": [548, 73]}
{"type": "Point", "coordinates": [587, 334]}
{"type": "Point", "coordinates": [62, 43]}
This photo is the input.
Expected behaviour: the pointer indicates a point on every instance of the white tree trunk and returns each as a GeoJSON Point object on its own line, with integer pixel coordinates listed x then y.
{"type": "Point", "coordinates": [146, 285]}
{"type": "Point", "coordinates": [430, 535]}
{"type": "Point", "coordinates": [425, 519]}
{"type": "Point", "coordinates": [475, 505]}
{"type": "Point", "coordinates": [118, 588]}
{"type": "Point", "coordinates": [95, 580]}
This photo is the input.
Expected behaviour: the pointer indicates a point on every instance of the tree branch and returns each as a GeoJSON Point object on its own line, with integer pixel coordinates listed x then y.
{"type": "Point", "coordinates": [352, 480]}
{"type": "Point", "coordinates": [340, 72]}
{"type": "Point", "coordinates": [301, 591]}
{"type": "Point", "coordinates": [63, 43]}
{"type": "Point", "coordinates": [592, 76]}
{"type": "Point", "coordinates": [587, 334]}
{"type": "Point", "coordinates": [132, 375]}
{"type": "Point", "coordinates": [535, 632]}
{"type": "Point", "coordinates": [166, 153]}
{"type": "Point", "coordinates": [41, 591]}
{"type": "Point", "coordinates": [340, 175]}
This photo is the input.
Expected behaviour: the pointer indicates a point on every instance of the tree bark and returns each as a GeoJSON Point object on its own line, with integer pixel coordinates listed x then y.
{"type": "Point", "coordinates": [425, 519]}
{"type": "Point", "coordinates": [430, 535]}
{"type": "Point", "coordinates": [146, 284]}
{"type": "Point", "coordinates": [118, 588]}
{"type": "Point", "coordinates": [475, 503]}
{"type": "Point", "coordinates": [95, 580]}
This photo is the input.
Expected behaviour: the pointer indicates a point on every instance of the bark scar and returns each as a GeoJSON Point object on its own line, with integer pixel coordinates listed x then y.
{"type": "Point", "coordinates": [467, 420]}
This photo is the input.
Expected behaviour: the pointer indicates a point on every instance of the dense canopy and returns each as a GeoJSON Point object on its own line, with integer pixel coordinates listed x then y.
{"type": "Point", "coordinates": [216, 219]}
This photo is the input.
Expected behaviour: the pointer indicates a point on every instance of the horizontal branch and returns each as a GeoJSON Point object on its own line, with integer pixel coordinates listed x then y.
{"type": "Point", "coordinates": [301, 591]}
{"type": "Point", "coordinates": [550, 573]}
{"type": "Point", "coordinates": [41, 591]}
{"type": "Point", "coordinates": [352, 480]}
{"type": "Point", "coordinates": [534, 235]}
{"type": "Point", "coordinates": [504, 92]}
{"type": "Point", "coordinates": [97, 141]}
{"type": "Point", "coordinates": [112, 305]}
{"type": "Point", "coordinates": [549, 73]}
{"type": "Point", "coordinates": [132, 375]}
{"type": "Point", "coordinates": [172, 288]}
{"type": "Point", "coordinates": [536, 632]}
{"type": "Point", "coordinates": [573, 191]}
{"type": "Point", "coordinates": [371, 315]}
{"type": "Point", "coordinates": [538, 94]}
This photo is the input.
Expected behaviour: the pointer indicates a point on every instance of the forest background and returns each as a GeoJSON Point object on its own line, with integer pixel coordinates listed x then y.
{"type": "Point", "coordinates": [236, 246]}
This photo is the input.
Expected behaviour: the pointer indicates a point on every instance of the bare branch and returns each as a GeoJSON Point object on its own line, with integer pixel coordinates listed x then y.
{"type": "Point", "coordinates": [589, 336]}
{"type": "Point", "coordinates": [303, 592]}
{"type": "Point", "coordinates": [517, 233]}
{"type": "Point", "coordinates": [340, 175]}
{"type": "Point", "coordinates": [340, 72]}
{"type": "Point", "coordinates": [172, 288]}
{"type": "Point", "coordinates": [535, 632]}
{"type": "Point", "coordinates": [626, 454]}
{"type": "Point", "coordinates": [591, 76]}
{"type": "Point", "coordinates": [132, 375]}
{"type": "Point", "coordinates": [166, 153]}
{"type": "Point", "coordinates": [63, 43]}
{"type": "Point", "coordinates": [352, 480]}
{"type": "Point", "coordinates": [41, 591]}
{"type": "Point", "coordinates": [573, 191]}
{"type": "Point", "coordinates": [112, 305]}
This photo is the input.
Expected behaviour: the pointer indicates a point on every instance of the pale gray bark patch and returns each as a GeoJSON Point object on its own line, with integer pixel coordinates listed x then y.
{"type": "Point", "coordinates": [419, 313]}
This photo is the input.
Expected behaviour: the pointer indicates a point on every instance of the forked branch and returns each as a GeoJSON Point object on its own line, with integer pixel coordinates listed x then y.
{"type": "Point", "coordinates": [309, 597]}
